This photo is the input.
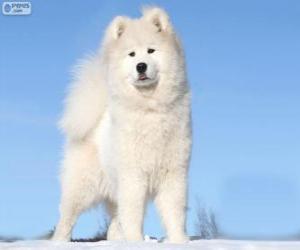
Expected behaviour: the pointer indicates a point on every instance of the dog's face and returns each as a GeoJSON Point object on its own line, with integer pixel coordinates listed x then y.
{"type": "Point", "coordinates": [144, 61]}
{"type": "Point", "coordinates": [142, 50]}
{"type": "Point", "coordinates": [141, 64]}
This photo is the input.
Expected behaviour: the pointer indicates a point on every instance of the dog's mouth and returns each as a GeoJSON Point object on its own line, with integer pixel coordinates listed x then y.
{"type": "Point", "coordinates": [143, 77]}
{"type": "Point", "coordinates": [143, 81]}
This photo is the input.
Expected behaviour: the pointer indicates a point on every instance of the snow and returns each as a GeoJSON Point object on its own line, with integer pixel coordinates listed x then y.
{"type": "Point", "coordinates": [121, 245]}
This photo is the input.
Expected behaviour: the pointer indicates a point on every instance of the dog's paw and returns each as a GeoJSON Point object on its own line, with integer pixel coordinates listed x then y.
{"type": "Point", "coordinates": [178, 239]}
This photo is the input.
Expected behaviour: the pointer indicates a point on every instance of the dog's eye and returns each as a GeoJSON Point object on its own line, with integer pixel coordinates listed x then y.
{"type": "Point", "coordinates": [132, 54]}
{"type": "Point", "coordinates": [150, 51]}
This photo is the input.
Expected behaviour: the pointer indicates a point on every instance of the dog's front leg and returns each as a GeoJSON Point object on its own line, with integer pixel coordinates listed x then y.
{"type": "Point", "coordinates": [131, 203]}
{"type": "Point", "coordinates": [171, 203]}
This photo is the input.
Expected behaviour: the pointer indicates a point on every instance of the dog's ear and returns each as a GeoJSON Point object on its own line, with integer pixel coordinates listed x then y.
{"type": "Point", "coordinates": [159, 18]}
{"type": "Point", "coordinates": [117, 27]}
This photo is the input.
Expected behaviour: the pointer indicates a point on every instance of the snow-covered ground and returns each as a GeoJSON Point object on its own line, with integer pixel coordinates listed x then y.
{"type": "Point", "coordinates": [192, 245]}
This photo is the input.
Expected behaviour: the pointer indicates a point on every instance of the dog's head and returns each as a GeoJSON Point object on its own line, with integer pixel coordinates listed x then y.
{"type": "Point", "coordinates": [143, 53]}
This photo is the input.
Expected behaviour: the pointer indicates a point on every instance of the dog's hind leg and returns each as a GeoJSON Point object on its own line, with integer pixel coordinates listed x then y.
{"type": "Point", "coordinates": [69, 213]}
{"type": "Point", "coordinates": [114, 231]}
{"type": "Point", "coordinates": [81, 179]}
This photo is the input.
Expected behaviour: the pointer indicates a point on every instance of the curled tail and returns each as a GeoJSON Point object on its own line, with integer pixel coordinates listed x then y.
{"type": "Point", "coordinates": [86, 100]}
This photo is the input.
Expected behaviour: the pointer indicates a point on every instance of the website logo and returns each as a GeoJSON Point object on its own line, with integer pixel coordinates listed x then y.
{"type": "Point", "coordinates": [16, 8]}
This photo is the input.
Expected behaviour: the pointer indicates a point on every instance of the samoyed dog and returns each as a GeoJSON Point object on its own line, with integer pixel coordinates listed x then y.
{"type": "Point", "coordinates": [128, 133]}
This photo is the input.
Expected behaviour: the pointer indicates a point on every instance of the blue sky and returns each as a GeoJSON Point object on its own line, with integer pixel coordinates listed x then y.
{"type": "Point", "coordinates": [243, 66]}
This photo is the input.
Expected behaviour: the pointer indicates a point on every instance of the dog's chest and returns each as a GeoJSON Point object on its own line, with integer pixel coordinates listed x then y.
{"type": "Point", "coordinates": [147, 137]}
{"type": "Point", "coordinates": [149, 130]}
{"type": "Point", "coordinates": [145, 141]}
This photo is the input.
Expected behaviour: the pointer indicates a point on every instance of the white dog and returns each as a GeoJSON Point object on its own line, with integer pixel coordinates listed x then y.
{"type": "Point", "coordinates": [127, 124]}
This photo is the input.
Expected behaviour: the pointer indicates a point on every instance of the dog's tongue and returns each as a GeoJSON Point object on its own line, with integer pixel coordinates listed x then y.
{"type": "Point", "coordinates": [142, 77]}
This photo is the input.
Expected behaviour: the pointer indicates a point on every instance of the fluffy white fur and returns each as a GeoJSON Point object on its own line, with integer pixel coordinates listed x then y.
{"type": "Point", "coordinates": [128, 140]}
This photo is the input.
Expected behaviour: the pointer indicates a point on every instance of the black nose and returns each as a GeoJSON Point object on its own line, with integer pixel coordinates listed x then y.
{"type": "Point", "coordinates": [141, 67]}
